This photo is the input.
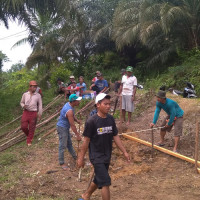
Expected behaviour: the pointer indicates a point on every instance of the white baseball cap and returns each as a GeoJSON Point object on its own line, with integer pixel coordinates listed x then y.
{"type": "Point", "coordinates": [101, 96]}
{"type": "Point", "coordinates": [71, 77]}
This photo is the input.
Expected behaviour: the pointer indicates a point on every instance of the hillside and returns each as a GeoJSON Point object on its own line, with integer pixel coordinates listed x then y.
{"type": "Point", "coordinates": [33, 172]}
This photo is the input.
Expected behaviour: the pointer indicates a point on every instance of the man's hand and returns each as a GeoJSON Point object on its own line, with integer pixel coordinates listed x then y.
{"type": "Point", "coordinates": [39, 118]}
{"type": "Point", "coordinates": [127, 156]}
{"type": "Point", "coordinates": [133, 98]}
{"type": "Point", "coordinates": [25, 107]}
{"type": "Point", "coordinates": [152, 125]}
{"type": "Point", "coordinates": [79, 121]}
{"type": "Point", "coordinates": [78, 137]}
{"type": "Point", "coordinates": [167, 126]}
{"type": "Point", "coordinates": [80, 163]}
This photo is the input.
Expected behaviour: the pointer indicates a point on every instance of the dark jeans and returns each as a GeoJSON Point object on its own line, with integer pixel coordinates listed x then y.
{"type": "Point", "coordinates": [65, 142]}
{"type": "Point", "coordinates": [117, 86]}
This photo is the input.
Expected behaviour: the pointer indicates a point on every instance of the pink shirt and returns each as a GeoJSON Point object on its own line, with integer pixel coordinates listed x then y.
{"type": "Point", "coordinates": [32, 102]}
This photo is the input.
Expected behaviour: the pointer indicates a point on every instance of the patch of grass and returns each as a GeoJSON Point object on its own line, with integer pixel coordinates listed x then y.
{"type": "Point", "coordinates": [10, 168]}
{"type": "Point", "coordinates": [7, 159]}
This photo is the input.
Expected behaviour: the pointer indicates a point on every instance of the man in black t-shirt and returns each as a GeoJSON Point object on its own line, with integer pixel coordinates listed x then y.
{"type": "Point", "coordinates": [100, 130]}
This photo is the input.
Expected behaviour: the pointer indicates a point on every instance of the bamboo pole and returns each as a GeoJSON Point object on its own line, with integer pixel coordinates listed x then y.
{"type": "Point", "coordinates": [177, 155]}
{"type": "Point", "coordinates": [48, 133]}
{"type": "Point", "coordinates": [196, 145]}
{"type": "Point", "coordinates": [14, 140]}
{"type": "Point", "coordinates": [152, 142]}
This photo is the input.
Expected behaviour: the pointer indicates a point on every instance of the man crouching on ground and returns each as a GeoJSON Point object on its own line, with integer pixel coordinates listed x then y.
{"type": "Point", "coordinates": [100, 130]}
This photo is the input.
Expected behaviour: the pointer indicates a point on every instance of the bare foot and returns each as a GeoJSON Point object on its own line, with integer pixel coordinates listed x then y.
{"type": "Point", "coordinates": [85, 197]}
{"type": "Point", "coordinates": [127, 123]}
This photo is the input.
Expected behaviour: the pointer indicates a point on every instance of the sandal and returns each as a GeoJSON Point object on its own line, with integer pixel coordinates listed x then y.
{"type": "Point", "coordinates": [64, 167]}
{"type": "Point", "coordinates": [160, 144]}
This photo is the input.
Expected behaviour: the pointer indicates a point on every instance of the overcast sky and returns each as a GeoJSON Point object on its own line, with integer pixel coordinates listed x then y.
{"type": "Point", "coordinates": [8, 37]}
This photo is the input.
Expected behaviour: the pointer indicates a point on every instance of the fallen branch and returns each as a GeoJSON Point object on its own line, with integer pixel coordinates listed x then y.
{"type": "Point", "coordinates": [48, 133]}
{"type": "Point", "coordinates": [21, 135]}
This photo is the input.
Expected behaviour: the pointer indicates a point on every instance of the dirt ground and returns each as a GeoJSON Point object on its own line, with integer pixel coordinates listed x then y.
{"type": "Point", "coordinates": [160, 178]}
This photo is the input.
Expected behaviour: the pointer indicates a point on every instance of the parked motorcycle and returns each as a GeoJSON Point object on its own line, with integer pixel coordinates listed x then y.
{"type": "Point", "coordinates": [188, 91]}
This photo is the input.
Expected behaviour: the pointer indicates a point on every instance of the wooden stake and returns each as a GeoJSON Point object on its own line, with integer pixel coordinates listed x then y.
{"type": "Point", "coordinates": [196, 144]}
{"type": "Point", "coordinates": [152, 142]}
{"type": "Point", "coordinates": [177, 155]}
{"type": "Point", "coordinates": [116, 101]}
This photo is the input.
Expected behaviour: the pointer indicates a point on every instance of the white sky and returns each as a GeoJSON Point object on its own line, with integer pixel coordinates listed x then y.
{"type": "Point", "coordinates": [8, 39]}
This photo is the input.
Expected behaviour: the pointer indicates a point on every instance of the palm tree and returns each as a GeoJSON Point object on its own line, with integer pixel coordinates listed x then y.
{"type": "Point", "coordinates": [12, 9]}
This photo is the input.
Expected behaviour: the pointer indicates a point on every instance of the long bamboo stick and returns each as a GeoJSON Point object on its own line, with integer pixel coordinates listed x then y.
{"type": "Point", "coordinates": [177, 155]}
{"type": "Point", "coordinates": [13, 141]}
{"type": "Point", "coordinates": [48, 133]}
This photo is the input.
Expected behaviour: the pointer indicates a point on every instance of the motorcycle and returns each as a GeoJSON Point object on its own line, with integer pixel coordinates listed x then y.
{"type": "Point", "coordinates": [188, 91]}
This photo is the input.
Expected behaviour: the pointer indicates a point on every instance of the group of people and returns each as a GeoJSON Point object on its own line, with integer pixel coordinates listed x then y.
{"type": "Point", "coordinates": [100, 128]}
{"type": "Point", "coordinates": [72, 87]}
{"type": "Point", "coordinates": [99, 85]}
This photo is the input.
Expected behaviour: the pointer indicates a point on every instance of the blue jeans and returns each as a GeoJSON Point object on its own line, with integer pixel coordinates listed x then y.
{"type": "Point", "coordinates": [65, 142]}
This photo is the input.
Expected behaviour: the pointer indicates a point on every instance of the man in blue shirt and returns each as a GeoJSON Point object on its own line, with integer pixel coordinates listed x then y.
{"type": "Point", "coordinates": [100, 85]}
{"type": "Point", "coordinates": [67, 120]}
{"type": "Point", "coordinates": [175, 117]}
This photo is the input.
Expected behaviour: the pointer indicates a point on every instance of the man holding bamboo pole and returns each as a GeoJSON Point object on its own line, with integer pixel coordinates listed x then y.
{"type": "Point", "coordinates": [67, 120]}
{"type": "Point", "coordinates": [175, 117]}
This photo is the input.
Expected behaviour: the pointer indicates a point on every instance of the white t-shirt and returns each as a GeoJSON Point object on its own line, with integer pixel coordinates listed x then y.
{"type": "Point", "coordinates": [128, 84]}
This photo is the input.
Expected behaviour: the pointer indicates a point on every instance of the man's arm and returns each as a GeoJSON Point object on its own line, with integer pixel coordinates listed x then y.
{"type": "Point", "coordinates": [39, 108]}
{"type": "Point", "coordinates": [120, 89]}
{"type": "Point", "coordinates": [92, 86]}
{"type": "Point", "coordinates": [134, 92]}
{"type": "Point", "coordinates": [22, 102]}
{"type": "Point", "coordinates": [103, 89]}
{"type": "Point", "coordinates": [119, 144]}
{"type": "Point", "coordinates": [84, 147]}
{"type": "Point", "coordinates": [70, 117]}
{"type": "Point", "coordinates": [156, 115]}
{"type": "Point", "coordinates": [134, 88]}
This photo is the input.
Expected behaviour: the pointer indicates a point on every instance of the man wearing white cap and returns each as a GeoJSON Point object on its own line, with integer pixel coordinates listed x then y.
{"type": "Point", "coordinates": [100, 131]}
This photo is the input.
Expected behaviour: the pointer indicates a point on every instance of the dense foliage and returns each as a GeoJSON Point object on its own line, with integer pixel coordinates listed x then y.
{"type": "Point", "coordinates": [79, 37]}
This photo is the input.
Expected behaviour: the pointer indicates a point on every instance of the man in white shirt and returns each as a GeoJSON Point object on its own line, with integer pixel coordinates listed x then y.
{"type": "Point", "coordinates": [128, 89]}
